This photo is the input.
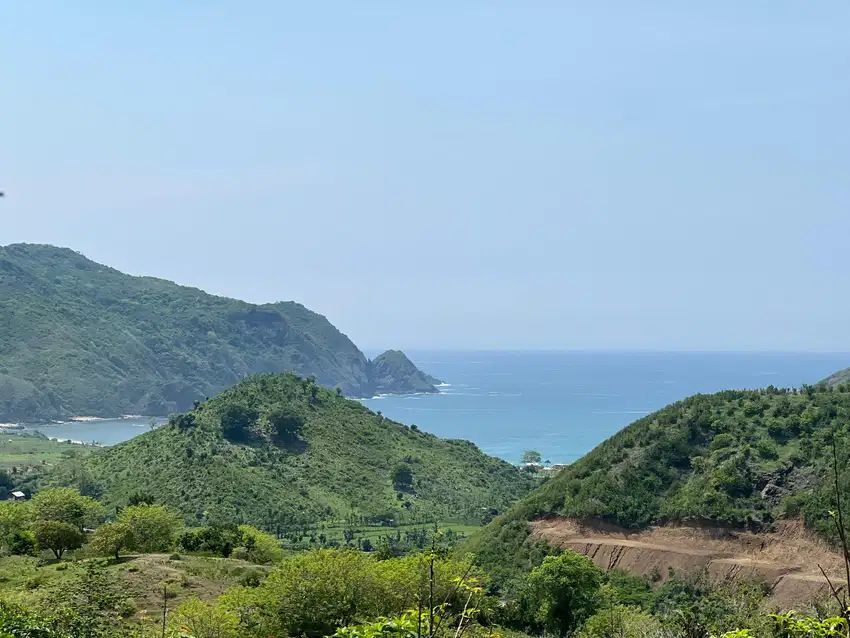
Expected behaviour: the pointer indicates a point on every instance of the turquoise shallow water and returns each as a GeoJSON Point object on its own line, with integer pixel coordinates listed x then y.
{"type": "Point", "coordinates": [565, 403]}
{"type": "Point", "coordinates": [105, 432]}
{"type": "Point", "coordinates": [560, 403]}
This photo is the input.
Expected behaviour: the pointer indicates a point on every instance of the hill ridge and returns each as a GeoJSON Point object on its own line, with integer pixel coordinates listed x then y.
{"type": "Point", "coordinates": [280, 450]}
{"type": "Point", "coordinates": [837, 378]}
{"type": "Point", "coordinates": [738, 459]}
{"type": "Point", "coordinates": [85, 338]}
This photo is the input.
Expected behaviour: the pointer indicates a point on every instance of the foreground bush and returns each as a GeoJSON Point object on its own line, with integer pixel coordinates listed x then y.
{"type": "Point", "coordinates": [315, 593]}
{"type": "Point", "coordinates": [621, 621]}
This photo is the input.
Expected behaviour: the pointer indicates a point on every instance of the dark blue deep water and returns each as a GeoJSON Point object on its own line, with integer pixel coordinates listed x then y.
{"type": "Point", "coordinates": [565, 403]}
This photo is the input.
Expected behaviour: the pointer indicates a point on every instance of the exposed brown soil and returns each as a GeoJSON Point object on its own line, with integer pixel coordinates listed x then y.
{"type": "Point", "coordinates": [787, 559]}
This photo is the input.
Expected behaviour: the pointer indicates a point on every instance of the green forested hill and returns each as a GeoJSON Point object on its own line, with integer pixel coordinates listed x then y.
{"type": "Point", "coordinates": [738, 458]}
{"type": "Point", "coordinates": [81, 338]}
{"type": "Point", "coordinates": [278, 449]}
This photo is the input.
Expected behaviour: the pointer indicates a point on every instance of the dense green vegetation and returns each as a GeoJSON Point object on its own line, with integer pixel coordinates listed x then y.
{"type": "Point", "coordinates": [736, 458]}
{"type": "Point", "coordinates": [70, 566]}
{"type": "Point", "coordinates": [280, 508]}
{"type": "Point", "coordinates": [394, 373]}
{"type": "Point", "coordinates": [280, 451]}
{"type": "Point", "coordinates": [86, 596]}
{"type": "Point", "coordinates": [212, 589]}
{"type": "Point", "coordinates": [80, 338]}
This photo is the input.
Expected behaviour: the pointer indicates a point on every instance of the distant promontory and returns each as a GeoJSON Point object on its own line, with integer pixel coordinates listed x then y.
{"type": "Point", "coordinates": [82, 338]}
{"type": "Point", "coordinates": [393, 373]}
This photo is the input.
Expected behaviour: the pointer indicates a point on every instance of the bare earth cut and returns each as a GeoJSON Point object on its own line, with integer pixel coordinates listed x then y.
{"type": "Point", "coordinates": [787, 559]}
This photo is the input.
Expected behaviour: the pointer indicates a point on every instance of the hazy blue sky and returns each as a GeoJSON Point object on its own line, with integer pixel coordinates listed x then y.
{"type": "Point", "coordinates": [472, 174]}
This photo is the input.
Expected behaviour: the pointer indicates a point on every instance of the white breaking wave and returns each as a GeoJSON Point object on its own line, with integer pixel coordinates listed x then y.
{"type": "Point", "coordinates": [74, 441]}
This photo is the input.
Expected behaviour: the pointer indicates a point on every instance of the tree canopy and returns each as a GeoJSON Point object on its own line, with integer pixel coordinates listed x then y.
{"type": "Point", "coordinates": [562, 592]}
{"type": "Point", "coordinates": [110, 539]}
{"type": "Point", "coordinates": [152, 528]}
{"type": "Point", "coordinates": [67, 505]}
{"type": "Point", "coordinates": [57, 536]}
{"type": "Point", "coordinates": [531, 457]}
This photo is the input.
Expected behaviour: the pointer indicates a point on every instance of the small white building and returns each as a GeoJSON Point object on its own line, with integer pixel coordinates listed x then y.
{"type": "Point", "coordinates": [19, 496]}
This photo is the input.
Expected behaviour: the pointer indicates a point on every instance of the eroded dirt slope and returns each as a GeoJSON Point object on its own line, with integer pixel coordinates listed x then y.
{"type": "Point", "coordinates": [787, 559]}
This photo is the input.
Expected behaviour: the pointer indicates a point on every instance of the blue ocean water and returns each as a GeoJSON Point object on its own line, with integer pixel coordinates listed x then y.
{"type": "Point", "coordinates": [560, 403]}
{"type": "Point", "coordinates": [102, 432]}
{"type": "Point", "coordinates": [565, 403]}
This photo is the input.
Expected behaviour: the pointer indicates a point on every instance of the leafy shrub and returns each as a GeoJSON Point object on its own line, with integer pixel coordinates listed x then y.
{"type": "Point", "coordinates": [153, 527]}
{"type": "Point", "coordinates": [402, 477]}
{"type": "Point", "coordinates": [23, 542]}
{"type": "Point", "coordinates": [315, 593]}
{"type": "Point", "coordinates": [216, 539]}
{"type": "Point", "coordinates": [260, 547]}
{"type": "Point", "coordinates": [203, 620]}
{"type": "Point", "coordinates": [561, 593]}
{"type": "Point", "coordinates": [110, 539]}
{"type": "Point", "coordinates": [236, 421]}
{"type": "Point", "coordinates": [620, 621]}
{"type": "Point", "coordinates": [789, 625]}
{"type": "Point", "coordinates": [18, 622]}
{"type": "Point", "coordinates": [286, 423]}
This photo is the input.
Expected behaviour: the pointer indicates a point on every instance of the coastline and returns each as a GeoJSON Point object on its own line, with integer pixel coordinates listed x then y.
{"type": "Point", "coordinates": [90, 418]}
{"type": "Point", "coordinates": [401, 395]}
{"type": "Point", "coordinates": [75, 442]}
{"type": "Point", "coordinates": [98, 431]}
{"type": "Point", "coordinates": [75, 419]}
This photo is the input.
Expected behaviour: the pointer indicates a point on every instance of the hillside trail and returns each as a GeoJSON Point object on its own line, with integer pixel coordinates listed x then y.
{"type": "Point", "coordinates": [786, 559]}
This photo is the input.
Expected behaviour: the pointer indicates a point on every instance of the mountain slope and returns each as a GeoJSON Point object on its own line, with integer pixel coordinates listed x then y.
{"type": "Point", "coordinates": [838, 378]}
{"type": "Point", "coordinates": [393, 373]}
{"type": "Point", "coordinates": [277, 449]}
{"type": "Point", "coordinates": [735, 458]}
{"type": "Point", "coordinates": [82, 338]}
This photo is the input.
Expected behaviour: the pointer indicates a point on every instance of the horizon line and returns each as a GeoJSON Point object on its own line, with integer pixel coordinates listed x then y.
{"type": "Point", "coordinates": [612, 350]}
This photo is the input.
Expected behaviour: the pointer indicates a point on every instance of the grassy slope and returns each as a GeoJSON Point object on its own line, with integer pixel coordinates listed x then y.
{"type": "Point", "coordinates": [733, 458]}
{"type": "Point", "coordinates": [141, 577]}
{"type": "Point", "coordinates": [343, 464]}
{"type": "Point", "coordinates": [82, 338]}
{"type": "Point", "coordinates": [26, 452]}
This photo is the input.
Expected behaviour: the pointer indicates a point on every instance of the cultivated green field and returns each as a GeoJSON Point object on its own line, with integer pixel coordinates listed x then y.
{"type": "Point", "coordinates": [374, 533]}
{"type": "Point", "coordinates": [23, 452]}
